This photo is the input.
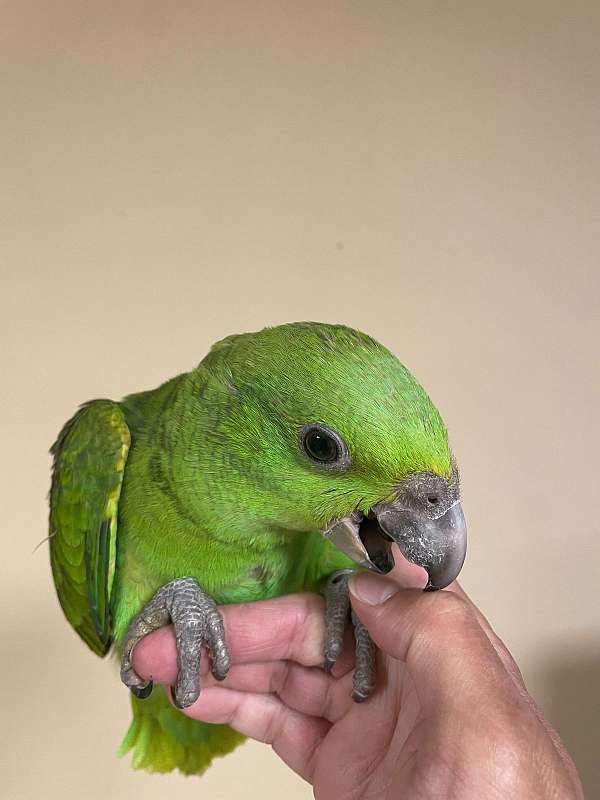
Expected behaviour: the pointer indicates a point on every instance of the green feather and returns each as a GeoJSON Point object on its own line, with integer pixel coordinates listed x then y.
{"type": "Point", "coordinates": [163, 739]}
{"type": "Point", "coordinates": [89, 461]}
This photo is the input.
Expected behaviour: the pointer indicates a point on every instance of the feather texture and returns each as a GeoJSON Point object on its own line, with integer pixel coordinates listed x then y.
{"type": "Point", "coordinates": [205, 477]}
{"type": "Point", "coordinates": [89, 461]}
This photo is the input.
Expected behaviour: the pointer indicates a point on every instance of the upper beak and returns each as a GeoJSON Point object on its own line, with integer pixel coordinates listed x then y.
{"type": "Point", "coordinates": [439, 545]}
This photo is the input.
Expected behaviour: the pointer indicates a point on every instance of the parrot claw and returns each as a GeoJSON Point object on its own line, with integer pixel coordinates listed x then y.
{"type": "Point", "coordinates": [337, 616]}
{"type": "Point", "coordinates": [142, 692]}
{"type": "Point", "coordinates": [197, 622]}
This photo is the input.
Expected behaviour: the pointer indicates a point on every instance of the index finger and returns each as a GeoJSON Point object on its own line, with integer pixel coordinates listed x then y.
{"type": "Point", "coordinates": [286, 628]}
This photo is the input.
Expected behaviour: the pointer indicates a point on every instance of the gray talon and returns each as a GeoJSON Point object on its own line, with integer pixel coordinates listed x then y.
{"type": "Point", "coordinates": [142, 692]}
{"type": "Point", "coordinates": [197, 622]}
{"type": "Point", "coordinates": [337, 616]}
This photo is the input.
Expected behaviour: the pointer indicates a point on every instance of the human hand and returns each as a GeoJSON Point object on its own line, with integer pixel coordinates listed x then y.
{"type": "Point", "coordinates": [450, 717]}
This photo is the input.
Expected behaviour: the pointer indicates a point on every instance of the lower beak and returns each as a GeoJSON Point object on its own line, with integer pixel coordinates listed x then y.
{"type": "Point", "coordinates": [439, 545]}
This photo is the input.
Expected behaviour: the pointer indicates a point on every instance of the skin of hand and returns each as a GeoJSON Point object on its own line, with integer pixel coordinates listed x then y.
{"type": "Point", "coordinates": [450, 717]}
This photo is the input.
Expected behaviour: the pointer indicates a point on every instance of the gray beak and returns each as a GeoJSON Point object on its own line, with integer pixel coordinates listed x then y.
{"type": "Point", "coordinates": [439, 544]}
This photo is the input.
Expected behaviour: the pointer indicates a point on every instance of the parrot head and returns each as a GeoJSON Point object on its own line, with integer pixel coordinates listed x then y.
{"type": "Point", "coordinates": [322, 428]}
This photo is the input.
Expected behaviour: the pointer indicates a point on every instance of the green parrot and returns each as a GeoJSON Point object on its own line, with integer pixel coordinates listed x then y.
{"type": "Point", "coordinates": [286, 459]}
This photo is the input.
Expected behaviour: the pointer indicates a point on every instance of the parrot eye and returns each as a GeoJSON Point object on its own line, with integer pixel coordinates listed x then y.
{"type": "Point", "coordinates": [323, 446]}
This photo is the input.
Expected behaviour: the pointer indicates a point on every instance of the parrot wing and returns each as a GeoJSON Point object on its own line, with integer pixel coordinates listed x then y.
{"type": "Point", "coordinates": [89, 462]}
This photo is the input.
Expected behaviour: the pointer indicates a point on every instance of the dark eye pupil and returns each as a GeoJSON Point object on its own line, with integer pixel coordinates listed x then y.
{"type": "Point", "coordinates": [321, 447]}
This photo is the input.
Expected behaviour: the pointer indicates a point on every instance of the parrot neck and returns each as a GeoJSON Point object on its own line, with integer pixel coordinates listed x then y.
{"type": "Point", "coordinates": [179, 517]}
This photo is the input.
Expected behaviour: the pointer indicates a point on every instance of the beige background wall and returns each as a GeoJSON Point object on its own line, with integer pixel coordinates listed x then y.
{"type": "Point", "coordinates": [429, 172]}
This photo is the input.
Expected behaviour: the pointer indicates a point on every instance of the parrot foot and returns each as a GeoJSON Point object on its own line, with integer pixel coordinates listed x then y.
{"type": "Point", "coordinates": [337, 616]}
{"type": "Point", "coordinates": [197, 622]}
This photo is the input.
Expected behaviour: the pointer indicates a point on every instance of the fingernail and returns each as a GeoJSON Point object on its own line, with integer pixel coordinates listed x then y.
{"type": "Point", "coordinates": [371, 589]}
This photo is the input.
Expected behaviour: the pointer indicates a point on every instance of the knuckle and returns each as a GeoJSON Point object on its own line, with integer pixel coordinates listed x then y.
{"type": "Point", "coordinates": [508, 661]}
{"type": "Point", "coordinates": [273, 723]}
{"type": "Point", "coordinates": [281, 678]}
{"type": "Point", "coordinates": [307, 640]}
{"type": "Point", "coordinates": [450, 604]}
{"type": "Point", "coordinates": [443, 612]}
{"type": "Point", "coordinates": [329, 700]}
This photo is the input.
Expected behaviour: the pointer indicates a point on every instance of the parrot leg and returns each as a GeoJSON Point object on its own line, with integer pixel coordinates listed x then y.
{"type": "Point", "coordinates": [337, 616]}
{"type": "Point", "coordinates": [197, 622]}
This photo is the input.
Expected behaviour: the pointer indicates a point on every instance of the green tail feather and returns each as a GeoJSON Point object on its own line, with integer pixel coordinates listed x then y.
{"type": "Point", "coordinates": [163, 739]}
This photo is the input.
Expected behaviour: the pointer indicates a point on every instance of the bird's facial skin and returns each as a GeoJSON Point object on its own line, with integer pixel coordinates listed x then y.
{"type": "Point", "coordinates": [321, 425]}
{"type": "Point", "coordinates": [424, 518]}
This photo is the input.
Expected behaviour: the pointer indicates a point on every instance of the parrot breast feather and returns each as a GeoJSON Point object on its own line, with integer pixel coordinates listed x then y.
{"type": "Point", "coordinates": [89, 462]}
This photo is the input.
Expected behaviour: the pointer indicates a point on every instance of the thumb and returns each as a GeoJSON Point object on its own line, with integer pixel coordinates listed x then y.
{"type": "Point", "coordinates": [437, 635]}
